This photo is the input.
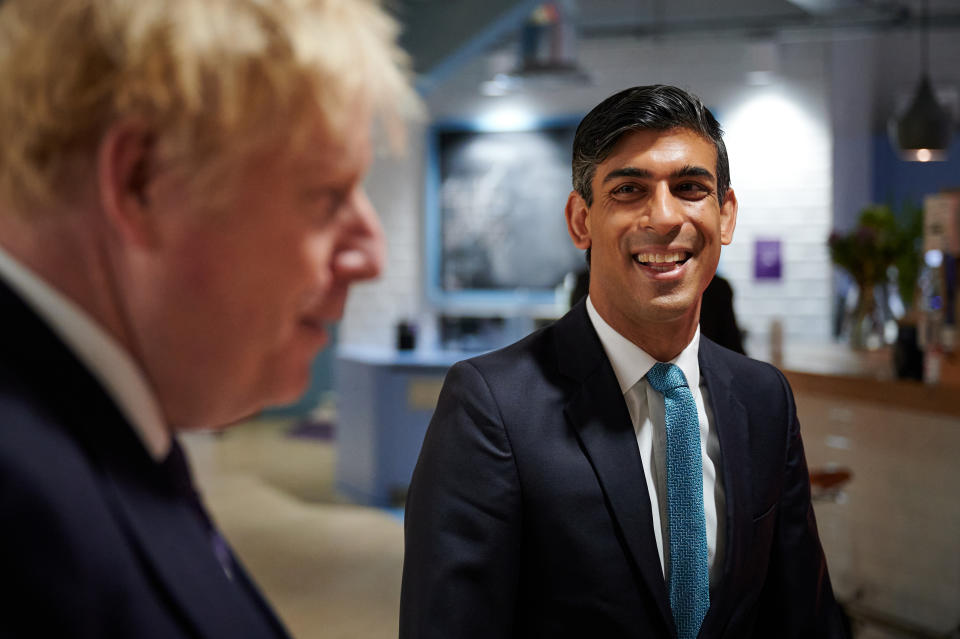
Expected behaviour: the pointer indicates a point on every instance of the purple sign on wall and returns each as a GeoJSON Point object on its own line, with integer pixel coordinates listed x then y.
{"type": "Point", "coordinates": [767, 263]}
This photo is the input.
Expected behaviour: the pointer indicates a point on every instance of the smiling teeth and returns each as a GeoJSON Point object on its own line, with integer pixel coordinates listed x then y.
{"type": "Point", "coordinates": [659, 258]}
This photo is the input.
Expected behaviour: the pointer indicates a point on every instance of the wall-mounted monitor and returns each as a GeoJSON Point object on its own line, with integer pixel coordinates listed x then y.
{"type": "Point", "coordinates": [496, 234]}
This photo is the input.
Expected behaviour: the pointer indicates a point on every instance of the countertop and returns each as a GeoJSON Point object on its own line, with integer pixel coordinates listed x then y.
{"type": "Point", "coordinates": [837, 370]}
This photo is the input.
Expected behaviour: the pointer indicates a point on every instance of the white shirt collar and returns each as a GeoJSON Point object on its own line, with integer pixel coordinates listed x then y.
{"type": "Point", "coordinates": [631, 363]}
{"type": "Point", "coordinates": [106, 359]}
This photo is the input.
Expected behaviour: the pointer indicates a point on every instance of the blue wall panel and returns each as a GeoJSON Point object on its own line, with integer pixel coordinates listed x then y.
{"type": "Point", "coordinates": [896, 182]}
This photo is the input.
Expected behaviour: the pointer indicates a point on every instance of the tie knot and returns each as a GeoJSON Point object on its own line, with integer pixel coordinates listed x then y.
{"type": "Point", "coordinates": [666, 377]}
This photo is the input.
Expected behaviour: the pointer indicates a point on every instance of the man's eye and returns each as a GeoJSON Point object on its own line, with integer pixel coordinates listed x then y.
{"type": "Point", "coordinates": [692, 189]}
{"type": "Point", "coordinates": [314, 195]}
{"type": "Point", "coordinates": [626, 189]}
{"type": "Point", "coordinates": [321, 203]}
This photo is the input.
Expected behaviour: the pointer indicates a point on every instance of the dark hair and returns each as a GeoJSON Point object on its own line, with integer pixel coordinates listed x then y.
{"type": "Point", "coordinates": [659, 107]}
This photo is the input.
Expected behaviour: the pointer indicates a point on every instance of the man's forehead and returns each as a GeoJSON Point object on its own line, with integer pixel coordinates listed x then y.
{"type": "Point", "coordinates": [344, 150]}
{"type": "Point", "coordinates": [656, 146]}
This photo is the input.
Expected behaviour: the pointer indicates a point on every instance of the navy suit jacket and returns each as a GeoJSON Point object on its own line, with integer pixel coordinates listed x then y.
{"type": "Point", "coordinates": [528, 514]}
{"type": "Point", "coordinates": [95, 541]}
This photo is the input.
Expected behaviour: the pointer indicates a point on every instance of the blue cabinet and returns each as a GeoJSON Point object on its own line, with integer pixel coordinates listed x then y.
{"type": "Point", "coordinates": [385, 400]}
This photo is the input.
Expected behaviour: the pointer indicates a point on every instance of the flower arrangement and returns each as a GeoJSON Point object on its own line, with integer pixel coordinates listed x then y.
{"type": "Point", "coordinates": [877, 242]}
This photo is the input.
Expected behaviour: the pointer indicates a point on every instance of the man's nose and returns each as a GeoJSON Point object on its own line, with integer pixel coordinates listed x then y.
{"type": "Point", "coordinates": [362, 251]}
{"type": "Point", "coordinates": [665, 212]}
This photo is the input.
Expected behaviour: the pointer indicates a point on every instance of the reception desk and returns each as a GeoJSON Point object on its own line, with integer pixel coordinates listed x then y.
{"type": "Point", "coordinates": [385, 401]}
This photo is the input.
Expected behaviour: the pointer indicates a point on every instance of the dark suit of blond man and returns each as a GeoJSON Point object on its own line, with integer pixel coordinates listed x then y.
{"type": "Point", "coordinates": [181, 217]}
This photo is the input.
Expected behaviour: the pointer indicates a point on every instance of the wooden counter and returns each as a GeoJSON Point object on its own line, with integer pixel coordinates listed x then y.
{"type": "Point", "coordinates": [906, 395]}
{"type": "Point", "coordinates": [890, 531]}
{"type": "Point", "coordinates": [835, 370]}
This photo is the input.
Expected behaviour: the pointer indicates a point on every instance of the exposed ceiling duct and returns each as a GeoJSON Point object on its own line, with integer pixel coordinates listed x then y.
{"type": "Point", "coordinates": [752, 18]}
{"type": "Point", "coordinates": [827, 6]}
{"type": "Point", "coordinates": [443, 35]}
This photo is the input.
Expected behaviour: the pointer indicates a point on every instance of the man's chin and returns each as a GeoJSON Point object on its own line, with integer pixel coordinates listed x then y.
{"type": "Point", "coordinates": [292, 391]}
{"type": "Point", "coordinates": [667, 308]}
{"type": "Point", "coordinates": [248, 403]}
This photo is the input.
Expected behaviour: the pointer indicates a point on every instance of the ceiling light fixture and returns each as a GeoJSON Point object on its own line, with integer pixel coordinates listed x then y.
{"type": "Point", "coordinates": [546, 53]}
{"type": "Point", "coordinates": [923, 132]}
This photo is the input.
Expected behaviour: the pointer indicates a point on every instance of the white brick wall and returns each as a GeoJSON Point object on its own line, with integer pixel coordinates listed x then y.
{"type": "Point", "coordinates": [395, 187]}
{"type": "Point", "coordinates": [778, 139]}
{"type": "Point", "coordinates": [781, 167]}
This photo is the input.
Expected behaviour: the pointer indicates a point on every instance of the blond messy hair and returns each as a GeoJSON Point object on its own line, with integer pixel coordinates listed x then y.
{"type": "Point", "coordinates": [214, 80]}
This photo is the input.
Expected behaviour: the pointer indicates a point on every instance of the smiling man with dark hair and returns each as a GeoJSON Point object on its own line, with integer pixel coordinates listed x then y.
{"type": "Point", "coordinates": [616, 474]}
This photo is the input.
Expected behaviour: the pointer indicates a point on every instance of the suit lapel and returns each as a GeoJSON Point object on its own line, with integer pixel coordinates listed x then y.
{"type": "Point", "coordinates": [598, 414]}
{"type": "Point", "coordinates": [730, 420]}
{"type": "Point", "coordinates": [176, 547]}
{"type": "Point", "coordinates": [168, 537]}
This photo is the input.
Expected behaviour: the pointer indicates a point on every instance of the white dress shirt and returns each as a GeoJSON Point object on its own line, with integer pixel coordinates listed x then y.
{"type": "Point", "coordinates": [103, 356]}
{"type": "Point", "coordinates": [645, 405]}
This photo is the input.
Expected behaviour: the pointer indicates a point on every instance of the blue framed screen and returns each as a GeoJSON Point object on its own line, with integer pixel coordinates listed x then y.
{"type": "Point", "coordinates": [496, 235]}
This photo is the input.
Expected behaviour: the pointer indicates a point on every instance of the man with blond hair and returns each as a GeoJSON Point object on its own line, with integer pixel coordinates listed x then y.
{"type": "Point", "coordinates": [181, 216]}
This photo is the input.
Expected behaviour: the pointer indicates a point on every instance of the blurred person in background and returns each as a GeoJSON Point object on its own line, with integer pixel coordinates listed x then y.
{"type": "Point", "coordinates": [718, 320]}
{"type": "Point", "coordinates": [181, 217]}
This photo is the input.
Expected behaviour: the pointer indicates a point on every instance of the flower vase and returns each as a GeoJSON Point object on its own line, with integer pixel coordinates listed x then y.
{"type": "Point", "coordinates": [865, 331]}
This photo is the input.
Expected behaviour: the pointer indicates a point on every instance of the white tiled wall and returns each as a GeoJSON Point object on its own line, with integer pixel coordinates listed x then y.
{"type": "Point", "coordinates": [781, 160]}
{"type": "Point", "coordinates": [395, 187]}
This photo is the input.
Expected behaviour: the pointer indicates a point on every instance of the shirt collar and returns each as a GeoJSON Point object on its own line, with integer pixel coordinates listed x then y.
{"type": "Point", "coordinates": [631, 363]}
{"type": "Point", "coordinates": [103, 356]}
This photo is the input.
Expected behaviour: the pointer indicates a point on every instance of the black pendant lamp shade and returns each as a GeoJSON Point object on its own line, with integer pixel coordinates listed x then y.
{"type": "Point", "coordinates": [923, 132]}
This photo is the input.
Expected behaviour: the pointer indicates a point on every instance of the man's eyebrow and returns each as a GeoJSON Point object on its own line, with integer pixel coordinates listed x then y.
{"type": "Point", "coordinates": [630, 171]}
{"type": "Point", "coordinates": [693, 171]}
{"type": "Point", "coordinates": [627, 171]}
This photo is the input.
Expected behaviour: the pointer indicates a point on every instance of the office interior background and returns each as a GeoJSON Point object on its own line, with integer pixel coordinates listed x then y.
{"type": "Point", "coordinates": [808, 92]}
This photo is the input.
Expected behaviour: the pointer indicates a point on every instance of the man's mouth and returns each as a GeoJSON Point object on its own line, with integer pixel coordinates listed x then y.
{"type": "Point", "coordinates": [663, 261]}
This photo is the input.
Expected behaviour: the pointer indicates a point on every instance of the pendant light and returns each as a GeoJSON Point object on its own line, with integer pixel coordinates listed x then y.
{"type": "Point", "coordinates": [923, 132]}
{"type": "Point", "coordinates": [547, 53]}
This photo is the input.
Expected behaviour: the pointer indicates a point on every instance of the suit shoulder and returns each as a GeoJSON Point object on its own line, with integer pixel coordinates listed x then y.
{"type": "Point", "coordinates": [737, 362]}
{"type": "Point", "coordinates": [32, 435]}
{"type": "Point", "coordinates": [46, 476]}
{"type": "Point", "coordinates": [53, 488]}
{"type": "Point", "coordinates": [510, 377]}
{"type": "Point", "coordinates": [518, 360]}
{"type": "Point", "coordinates": [61, 542]}
{"type": "Point", "coordinates": [744, 372]}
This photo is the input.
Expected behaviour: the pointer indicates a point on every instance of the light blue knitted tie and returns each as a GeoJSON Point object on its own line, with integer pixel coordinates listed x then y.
{"type": "Point", "coordinates": [689, 579]}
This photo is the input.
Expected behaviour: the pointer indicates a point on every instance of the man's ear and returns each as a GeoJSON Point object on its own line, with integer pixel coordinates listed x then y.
{"type": "Point", "coordinates": [125, 163]}
{"type": "Point", "coordinates": [728, 217]}
{"type": "Point", "coordinates": [578, 220]}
